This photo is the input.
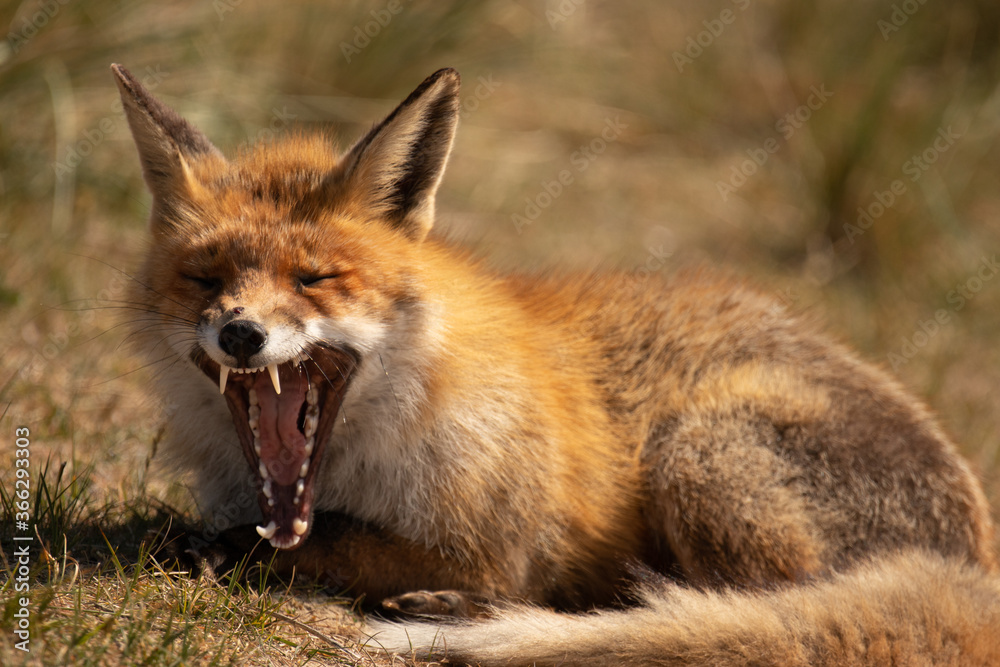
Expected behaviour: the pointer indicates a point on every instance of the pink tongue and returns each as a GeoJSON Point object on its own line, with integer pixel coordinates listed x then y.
{"type": "Point", "coordinates": [282, 445]}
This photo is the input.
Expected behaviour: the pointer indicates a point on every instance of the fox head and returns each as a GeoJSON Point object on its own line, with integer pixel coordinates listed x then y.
{"type": "Point", "coordinates": [278, 273]}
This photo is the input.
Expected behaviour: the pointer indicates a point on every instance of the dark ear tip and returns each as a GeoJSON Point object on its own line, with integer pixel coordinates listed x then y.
{"type": "Point", "coordinates": [448, 75]}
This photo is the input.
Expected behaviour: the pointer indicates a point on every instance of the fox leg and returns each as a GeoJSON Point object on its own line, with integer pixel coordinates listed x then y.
{"type": "Point", "coordinates": [726, 505]}
{"type": "Point", "coordinates": [384, 569]}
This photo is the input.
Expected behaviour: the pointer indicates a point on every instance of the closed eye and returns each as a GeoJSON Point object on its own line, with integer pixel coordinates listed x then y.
{"type": "Point", "coordinates": [314, 280]}
{"type": "Point", "coordinates": [207, 284]}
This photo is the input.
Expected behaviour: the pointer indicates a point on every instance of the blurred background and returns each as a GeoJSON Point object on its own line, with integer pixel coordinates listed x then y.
{"type": "Point", "coordinates": [845, 156]}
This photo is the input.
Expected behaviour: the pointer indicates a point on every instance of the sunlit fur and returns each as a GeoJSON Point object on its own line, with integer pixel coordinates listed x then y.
{"type": "Point", "coordinates": [526, 437]}
{"type": "Point", "coordinates": [910, 609]}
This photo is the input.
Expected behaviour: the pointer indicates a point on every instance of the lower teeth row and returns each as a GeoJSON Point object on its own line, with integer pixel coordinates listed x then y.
{"type": "Point", "coordinates": [298, 526]}
{"type": "Point", "coordinates": [265, 474]}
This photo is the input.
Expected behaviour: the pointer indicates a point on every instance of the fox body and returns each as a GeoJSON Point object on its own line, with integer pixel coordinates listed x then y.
{"type": "Point", "coordinates": [391, 414]}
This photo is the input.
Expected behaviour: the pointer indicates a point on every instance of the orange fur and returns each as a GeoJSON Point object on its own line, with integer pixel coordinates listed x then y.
{"type": "Point", "coordinates": [501, 438]}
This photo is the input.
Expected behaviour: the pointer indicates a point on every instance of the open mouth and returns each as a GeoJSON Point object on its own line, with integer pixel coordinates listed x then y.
{"type": "Point", "coordinates": [284, 414]}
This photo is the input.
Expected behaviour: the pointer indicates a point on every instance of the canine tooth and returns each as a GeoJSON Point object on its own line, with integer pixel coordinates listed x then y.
{"type": "Point", "coordinates": [300, 487]}
{"type": "Point", "coordinates": [299, 526]}
{"type": "Point", "coordinates": [253, 398]}
{"type": "Point", "coordinates": [304, 470]}
{"type": "Point", "coordinates": [263, 471]}
{"type": "Point", "coordinates": [223, 376]}
{"type": "Point", "coordinates": [268, 532]}
{"type": "Point", "coordinates": [273, 370]}
{"type": "Point", "coordinates": [310, 443]}
{"type": "Point", "coordinates": [267, 489]}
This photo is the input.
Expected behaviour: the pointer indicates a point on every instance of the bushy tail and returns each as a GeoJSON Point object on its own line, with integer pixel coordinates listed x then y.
{"type": "Point", "coordinates": [911, 609]}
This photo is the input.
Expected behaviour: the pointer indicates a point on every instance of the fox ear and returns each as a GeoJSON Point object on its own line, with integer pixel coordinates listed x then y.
{"type": "Point", "coordinates": [395, 169]}
{"type": "Point", "coordinates": [167, 144]}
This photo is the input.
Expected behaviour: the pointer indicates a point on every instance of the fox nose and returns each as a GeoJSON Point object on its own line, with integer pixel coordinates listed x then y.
{"type": "Point", "coordinates": [242, 339]}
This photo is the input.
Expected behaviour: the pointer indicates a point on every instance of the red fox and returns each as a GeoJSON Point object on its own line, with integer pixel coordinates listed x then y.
{"type": "Point", "coordinates": [391, 414]}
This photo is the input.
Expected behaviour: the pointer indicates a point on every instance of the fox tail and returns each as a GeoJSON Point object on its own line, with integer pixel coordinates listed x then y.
{"type": "Point", "coordinates": [913, 608]}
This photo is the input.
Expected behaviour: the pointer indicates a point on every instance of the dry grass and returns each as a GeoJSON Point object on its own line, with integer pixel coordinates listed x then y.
{"type": "Point", "coordinates": [546, 87]}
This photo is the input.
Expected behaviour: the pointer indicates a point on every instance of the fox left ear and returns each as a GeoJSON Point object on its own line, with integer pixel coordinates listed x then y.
{"type": "Point", "coordinates": [167, 146]}
{"type": "Point", "coordinates": [394, 170]}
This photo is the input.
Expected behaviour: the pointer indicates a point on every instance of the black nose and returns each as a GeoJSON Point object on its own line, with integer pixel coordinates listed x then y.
{"type": "Point", "coordinates": [242, 339]}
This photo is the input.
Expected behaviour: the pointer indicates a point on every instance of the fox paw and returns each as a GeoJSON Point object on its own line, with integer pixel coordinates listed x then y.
{"type": "Point", "coordinates": [177, 548]}
{"type": "Point", "coordinates": [453, 604]}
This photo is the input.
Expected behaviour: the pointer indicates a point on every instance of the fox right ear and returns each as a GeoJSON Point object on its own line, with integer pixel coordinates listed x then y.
{"type": "Point", "coordinates": [394, 170]}
{"type": "Point", "coordinates": [167, 145]}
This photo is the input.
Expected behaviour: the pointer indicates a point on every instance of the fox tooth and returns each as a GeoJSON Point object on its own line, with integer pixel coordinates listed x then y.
{"type": "Point", "coordinates": [295, 540]}
{"type": "Point", "coordinates": [269, 531]}
{"type": "Point", "coordinates": [299, 526]}
{"type": "Point", "coordinates": [223, 376]}
{"type": "Point", "coordinates": [273, 370]}
{"type": "Point", "coordinates": [310, 424]}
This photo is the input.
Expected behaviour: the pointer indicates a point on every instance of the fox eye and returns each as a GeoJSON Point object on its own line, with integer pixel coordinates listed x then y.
{"type": "Point", "coordinates": [311, 280]}
{"type": "Point", "coordinates": [206, 284]}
